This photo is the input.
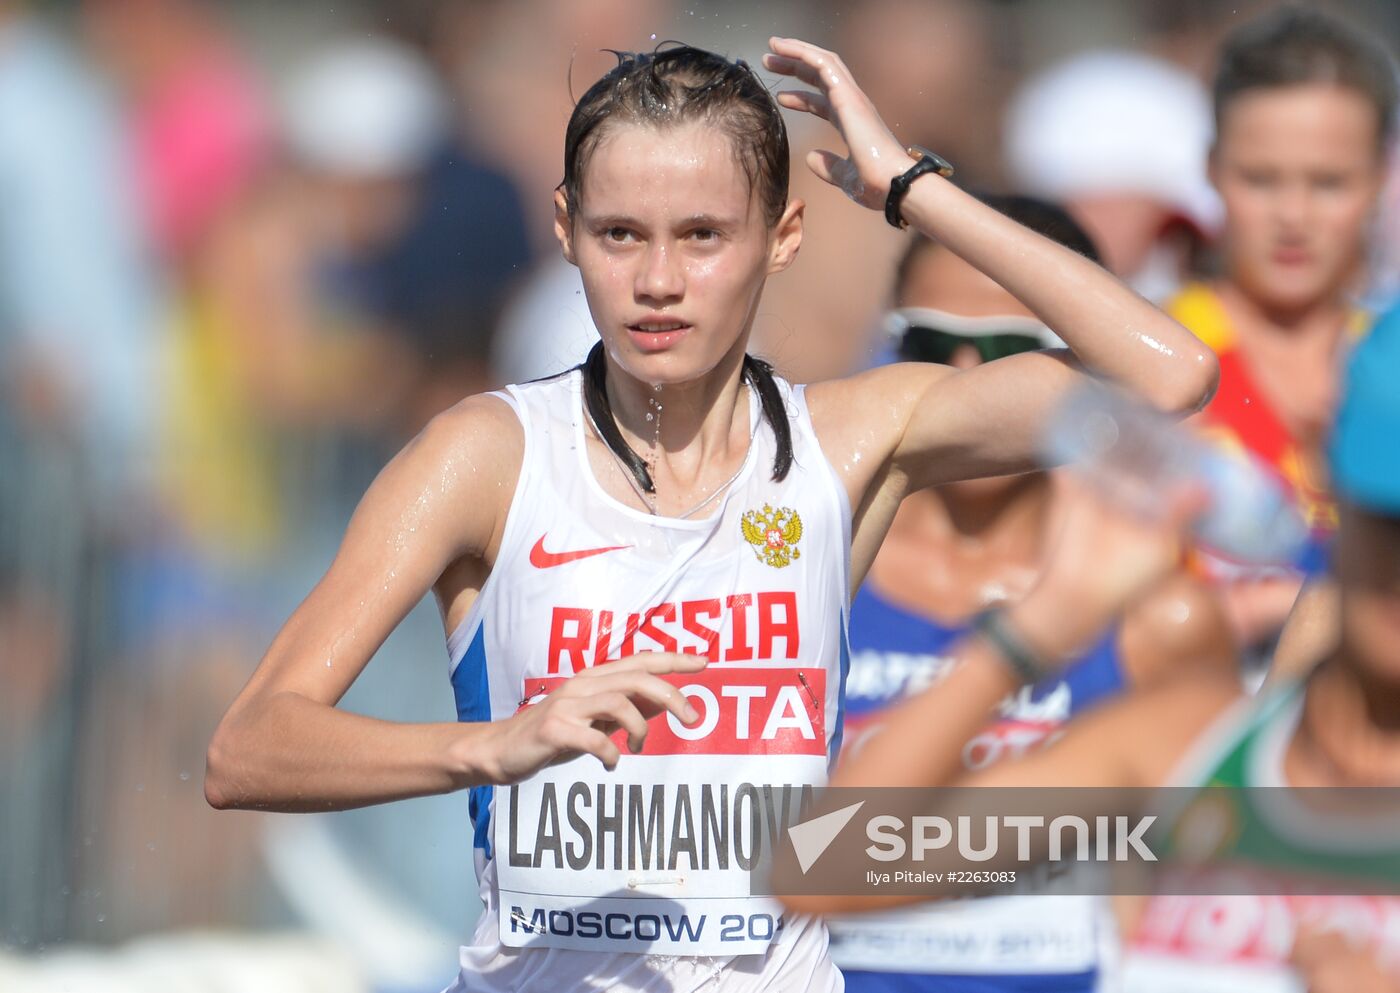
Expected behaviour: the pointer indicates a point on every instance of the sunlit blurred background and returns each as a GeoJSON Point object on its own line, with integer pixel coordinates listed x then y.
{"type": "Point", "coordinates": [247, 249]}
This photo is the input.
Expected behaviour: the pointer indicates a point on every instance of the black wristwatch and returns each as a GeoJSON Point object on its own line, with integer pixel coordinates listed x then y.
{"type": "Point", "coordinates": [899, 186]}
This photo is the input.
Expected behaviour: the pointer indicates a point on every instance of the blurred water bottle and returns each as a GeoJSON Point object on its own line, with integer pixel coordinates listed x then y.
{"type": "Point", "coordinates": [1137, 457]}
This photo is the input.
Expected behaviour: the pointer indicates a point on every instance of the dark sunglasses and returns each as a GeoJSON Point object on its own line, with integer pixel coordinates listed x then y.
{"type": "Point", "coordinates": [924, 344]}
{"type": "Point", "coordinates": [927, 335]}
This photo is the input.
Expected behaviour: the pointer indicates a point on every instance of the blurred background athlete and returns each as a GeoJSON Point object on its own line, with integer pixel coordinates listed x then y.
{"type": "Point", "coordinates": [951, 553]}
{"type": "Point", "coordinates": [1305, 111]}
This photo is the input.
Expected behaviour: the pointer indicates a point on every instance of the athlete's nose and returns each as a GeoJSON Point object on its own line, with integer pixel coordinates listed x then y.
{"type": "Point", "coordinates": [1292, 207]}
{"type": "Point", "coordinates": [964, 357]}
{"type": "Point", "coordinates": [662, 277]}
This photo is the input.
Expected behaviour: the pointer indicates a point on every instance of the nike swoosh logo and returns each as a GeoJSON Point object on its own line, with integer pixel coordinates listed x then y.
{"type": "Point", "coordinates": [541, 559]}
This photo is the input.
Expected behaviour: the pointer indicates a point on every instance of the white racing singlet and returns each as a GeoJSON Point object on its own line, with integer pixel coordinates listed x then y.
{"type": "Point", "coordinates": [638, 878]}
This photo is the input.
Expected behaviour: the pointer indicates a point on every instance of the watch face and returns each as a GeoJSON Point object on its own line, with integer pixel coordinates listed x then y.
{"type": "Point", "coordinates": [941, 165]}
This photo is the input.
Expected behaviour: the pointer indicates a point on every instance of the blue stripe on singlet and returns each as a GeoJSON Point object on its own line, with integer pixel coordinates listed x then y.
{"type": "Point", "coordinates": [834, 749]}
{"type": "Point", "coordinates": [472, 691]}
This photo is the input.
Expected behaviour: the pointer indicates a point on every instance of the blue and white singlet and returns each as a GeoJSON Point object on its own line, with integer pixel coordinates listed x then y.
{"type": "Point", "coordinates": [638, 878]}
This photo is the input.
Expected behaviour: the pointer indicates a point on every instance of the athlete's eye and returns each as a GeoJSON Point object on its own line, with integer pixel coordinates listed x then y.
{"type": "Point", "coordinates": [704, 235]}
{"type": "Point", "coordinates": [1260, 179]}
{"type": "Point", "coordinates": [1329, 182]}
{"type": "Point", "coordinates": [617, 234]}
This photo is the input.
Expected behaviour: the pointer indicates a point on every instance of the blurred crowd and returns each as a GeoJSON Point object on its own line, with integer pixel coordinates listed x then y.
{"type": "Point", "coordinates": [247, 250]}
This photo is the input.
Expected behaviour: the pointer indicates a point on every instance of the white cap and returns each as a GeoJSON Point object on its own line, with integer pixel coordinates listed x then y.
{"type": "Point", "coordinates": [366, 109]}
{"type": "Point", "coordinates": [1115, 122]}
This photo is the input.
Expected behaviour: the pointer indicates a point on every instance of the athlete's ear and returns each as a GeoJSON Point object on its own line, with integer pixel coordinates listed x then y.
{"type": "Point", "coordinates": [787, 237]}
{"type": "Point", "coordinates": [563, 228]}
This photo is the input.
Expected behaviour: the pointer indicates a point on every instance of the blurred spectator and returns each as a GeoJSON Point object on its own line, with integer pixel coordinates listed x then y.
{"type": "Point", "coordinates": [1304, 106]}
{"type": "Point", "coordinates": [350, 293]}
{"type": "Point", "coordinates": [431, 238]}
{"type": "Point", "coordinates": [932, 69]}
{"type": "Point", "coordinates": [202, 135]}
{"type": "Point", "coordinates": [79, 302]}
{"type": "Point", "coordinates": [196, 111]}
{"type": "Point", "coordinates": [80, 306]}
{"type": "Point", "coordinates": [546, 329]}
{"type": "Point", "coordinates": [1121, 139]}
{"type": "Point", "coordinates": [512, 64]}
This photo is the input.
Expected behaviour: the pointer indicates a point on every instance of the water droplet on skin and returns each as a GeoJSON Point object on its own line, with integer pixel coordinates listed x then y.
{"type": "Point", "coordinates": [101, 918]}
{"type": "Point", "coordinates": [653, 37]}
{"type": "Point", "coordinates": [184, 777]}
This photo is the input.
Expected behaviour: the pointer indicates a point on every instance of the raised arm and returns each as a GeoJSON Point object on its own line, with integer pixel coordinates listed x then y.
{"type": "Point", "coordinates": [440, 504]}
{"type": "Point", "coordinates": [984, 421]}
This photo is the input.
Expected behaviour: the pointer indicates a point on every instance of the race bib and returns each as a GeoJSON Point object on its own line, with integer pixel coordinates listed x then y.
{"type": "Point", "coordinates": [656, 855]}
{"type": "Point", "coordinates": [1007, 935]}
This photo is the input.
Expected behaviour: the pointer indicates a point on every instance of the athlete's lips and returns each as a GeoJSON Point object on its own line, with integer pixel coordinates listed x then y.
{"type": "Point", "coordinates": [657, 332]}
{"type": "Point", "coordinates": [1291, 256]}
{"type": "Point", "coordinates": [658, 323]}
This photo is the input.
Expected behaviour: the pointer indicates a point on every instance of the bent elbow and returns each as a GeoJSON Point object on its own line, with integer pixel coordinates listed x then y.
{"type": "Point", "coordinates": [1207, 381]}
{"type": "Point", "coordinates": [214, 793]}
{"type": "Point", "coordinates": [218, 786]}
{"type": "Point", "coordinates": [1193, 387]}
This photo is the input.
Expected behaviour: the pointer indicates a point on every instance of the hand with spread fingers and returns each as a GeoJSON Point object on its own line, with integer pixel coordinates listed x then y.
{"type": "Point", "coordinates": [582, 714]}
{"type": "Point", "coordinates": [875, 156]}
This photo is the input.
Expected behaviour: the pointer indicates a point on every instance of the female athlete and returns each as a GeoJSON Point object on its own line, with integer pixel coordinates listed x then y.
{"type": "Point", "coordinates": [644, 564]}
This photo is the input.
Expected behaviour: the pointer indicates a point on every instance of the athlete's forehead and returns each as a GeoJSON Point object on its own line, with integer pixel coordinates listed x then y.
{"type": "Point", "coordinates": [639, 172]}
{"type": "Point", "coordinates": [1314, 123]}
{"type": "Point", "coordinates": [941, 280]}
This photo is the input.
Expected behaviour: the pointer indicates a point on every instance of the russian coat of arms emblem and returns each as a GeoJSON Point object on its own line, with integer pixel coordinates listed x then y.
{"type": "Point", "coordinates": [773, 533]}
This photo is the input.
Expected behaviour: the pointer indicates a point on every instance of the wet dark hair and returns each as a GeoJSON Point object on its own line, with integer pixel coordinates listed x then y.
{"type": "Point", "coordinates": [1041, 216]}
{"type": "Point", "coordinates": [680, 85]}
{"type": "Point", "coordinates": [1296, 45]}
{"type": "Point", "coordinates": [666, 88]}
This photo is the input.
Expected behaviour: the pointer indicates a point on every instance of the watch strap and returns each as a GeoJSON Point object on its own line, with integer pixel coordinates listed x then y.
{"type": "Point", "coordinates": [1018, 656]}
{"type": "Point", "coordinates": [899, 186]}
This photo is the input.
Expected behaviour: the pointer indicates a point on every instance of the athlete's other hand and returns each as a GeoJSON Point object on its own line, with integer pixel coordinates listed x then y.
{"type": "Point", "coordinates": [579, 716]}
{"type": "Point", "coordinates": [1103, 559]}
{"type": "Point", "coordinates": [875, 156]}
